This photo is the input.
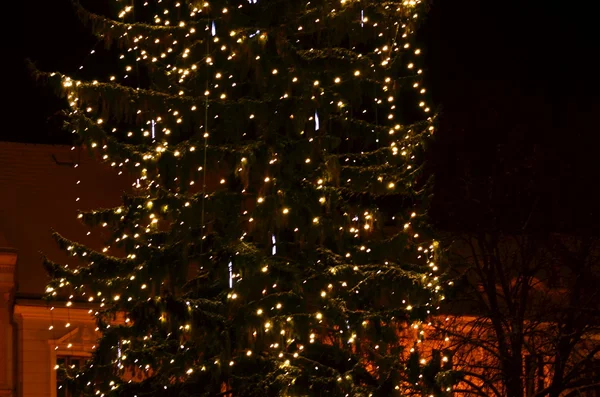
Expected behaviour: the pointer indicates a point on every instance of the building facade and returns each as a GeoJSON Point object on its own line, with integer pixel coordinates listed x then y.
{"type": "Point", "coordinates": [42, 187]}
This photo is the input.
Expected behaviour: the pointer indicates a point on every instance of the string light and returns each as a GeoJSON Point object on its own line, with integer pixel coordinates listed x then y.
{"type": "Point", "coordinates": [163, 42]}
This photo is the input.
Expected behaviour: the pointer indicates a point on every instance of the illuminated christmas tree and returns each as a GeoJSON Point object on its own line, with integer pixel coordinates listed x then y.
{"type": "Point", "coordinates": [271, 246]}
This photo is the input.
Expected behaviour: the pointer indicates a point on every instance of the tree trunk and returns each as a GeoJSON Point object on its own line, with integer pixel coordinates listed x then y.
{"type": "Point", "coordinates": [513, 376]}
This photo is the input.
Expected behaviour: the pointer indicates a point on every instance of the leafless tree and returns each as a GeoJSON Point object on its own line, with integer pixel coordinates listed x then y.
{"type": "Point", "coordinates": [525, 319]}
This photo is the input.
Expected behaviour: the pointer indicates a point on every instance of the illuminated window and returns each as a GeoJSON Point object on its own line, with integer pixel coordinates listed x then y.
{"type": "Point", "coordinates": [70, 362]}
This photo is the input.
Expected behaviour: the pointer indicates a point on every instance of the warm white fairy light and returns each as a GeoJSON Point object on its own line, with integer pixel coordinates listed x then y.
{"type": "Point", "coordinates": [364, 224]}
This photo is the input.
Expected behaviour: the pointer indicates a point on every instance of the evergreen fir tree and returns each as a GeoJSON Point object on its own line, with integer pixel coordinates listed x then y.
{"type": "Point", "coordinates": [272, 241]}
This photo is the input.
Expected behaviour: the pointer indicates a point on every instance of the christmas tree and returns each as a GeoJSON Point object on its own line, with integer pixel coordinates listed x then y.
{"type": "Point", "coordinates": [272, 244]}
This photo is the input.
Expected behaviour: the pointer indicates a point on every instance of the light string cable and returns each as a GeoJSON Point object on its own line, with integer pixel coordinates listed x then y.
{"type": "Point", "coordinates": [203, 204]}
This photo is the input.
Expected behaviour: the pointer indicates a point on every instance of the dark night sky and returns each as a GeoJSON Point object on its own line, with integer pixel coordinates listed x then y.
{"type": "Point", "coordinates": [517, 82]}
